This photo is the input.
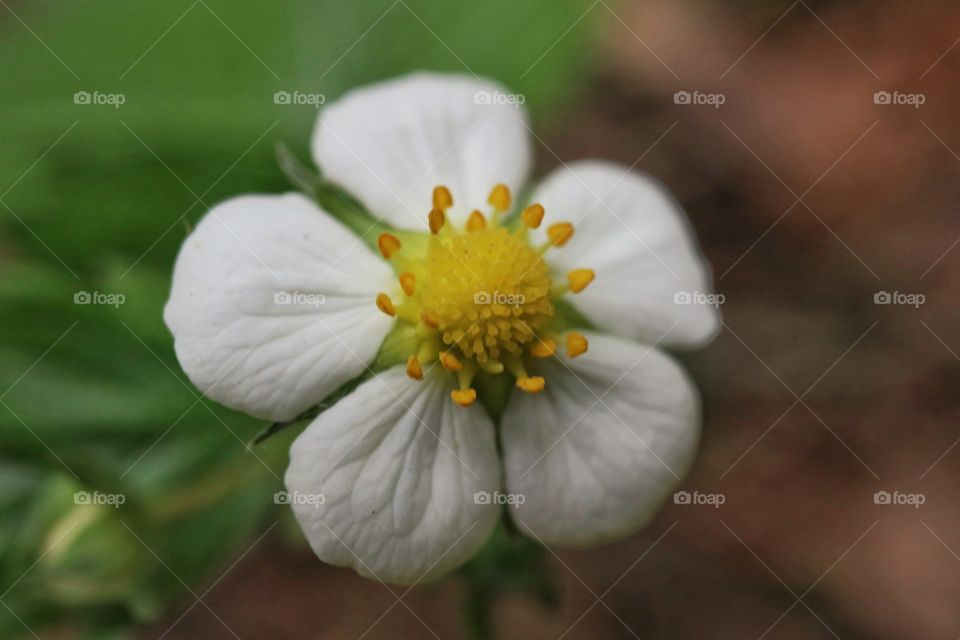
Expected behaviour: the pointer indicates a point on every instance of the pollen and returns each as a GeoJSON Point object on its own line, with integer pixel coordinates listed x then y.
{"type": "Point", "coordinates": [441, 198]}
{"type": "Point", "coordinates": [477, 297]}
{"type": "Point", "coordinates": [408, 283]}
{"type": "Point", "coordinates": [531, 385]}
{"type": "Point", "coordinates": [450, 361]}
{"type": "Point", "coordinates": [579, 279]}
{"type": "Point", "coordinates": [500, 197]}
{"type": "Point", "coordinates": [476, 221]}
{"type": "Point", "coordinates": [533, 216]}
{"type": "Point", "coordinates": [385, 304]}
{"type": "Point", "coordinates": [437, 219]}
{"type": "Point", "coordinates": [414, 368]}
{"type": "Point", "coordinates": [544, 348]}
{"type": "Point", "coordinates": [576, 344]}
{"type": "Point", "coordinates": [560, 233]}
{"type": "Point", "coordinates": [389, 244]}
{"type": "Point", "coordinates": [464, 397]}
{"type": "Point", "coordinates": [488, 292]}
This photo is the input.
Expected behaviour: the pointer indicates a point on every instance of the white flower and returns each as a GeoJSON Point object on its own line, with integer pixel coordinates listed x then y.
{"type": "Point", "coordinates": [274, 306]}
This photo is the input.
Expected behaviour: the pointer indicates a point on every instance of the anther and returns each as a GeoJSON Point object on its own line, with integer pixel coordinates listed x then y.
{"type": "Point", "coordinates": [560, 233]}
{"type": "Point", "coordinates": [407, 282]}
{"type": "Point", "coordinates": [441, 198]}
{"type": "Point", "coordinates": [531, 385]}
{"type": "Point", "coordinates": [429, 319]}
{"type": "Point", "coordinates": [544, 348]}
{"type": "Point", "coordinates": [500, 197]}
{"type": "Point", "coordinates": [389, 244]}
{"type": "Point", "coordinates": [464, 397]}
{"type": "Point", "coordinates": [533, 216]}
{"type": "Point", "coordinates": [579, 279]}
{"type": "Point", "coordinates": [414, 370]}
{"type": "Point", "coordinates": [576, 344]}
{"type": "Point", "coordinates": [385, 304]}
{"type": "Point", "coordinates": [476, 221]}
{"type": "Point", "coordinates": [436, 219]}
{"type": "Point", "coordinates": [450, 362]}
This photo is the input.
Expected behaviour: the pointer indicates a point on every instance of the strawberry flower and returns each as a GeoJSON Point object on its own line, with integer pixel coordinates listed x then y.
{"type": "Point", "coordinates": [514, 350]}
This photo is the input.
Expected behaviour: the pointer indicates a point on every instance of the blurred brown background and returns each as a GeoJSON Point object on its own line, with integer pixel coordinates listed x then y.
{"type": "Point", "coordinates": [809, 198]}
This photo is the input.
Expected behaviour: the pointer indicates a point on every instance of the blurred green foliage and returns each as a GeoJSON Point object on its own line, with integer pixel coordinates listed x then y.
{"type": "Point", "coordinates": [97, 198]}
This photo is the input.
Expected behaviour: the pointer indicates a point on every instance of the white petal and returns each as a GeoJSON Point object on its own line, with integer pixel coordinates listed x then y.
{"type": "Point", "coordinates": [397, 464]}
{"type": "Point", "coordinates": [272, 306]}
{"type": "Point", "coordinates": [636, 238]}
{"type": "Point", "coordinates": [596, 453]}
{"type": "Point", "coordinates": [391, 143]}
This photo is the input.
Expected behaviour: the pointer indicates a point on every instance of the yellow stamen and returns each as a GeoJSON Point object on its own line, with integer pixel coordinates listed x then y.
{"type": "Point", "coordinates": [450, 361]}
{"type": "Point", "coordinates": [441, 198]}
{"type": "Point", "coordinates": [576, 344]}
{"type": "Point", "coordinates": [414, 370]}
{"type": "Point", "coordinates": [531, 385]}
{"type": "Point", "coordinates": [579, 279]}
{"type": "Point", "coordinates": [476, 221]}
{"type": "Point", "coordinates": [407, 282]}
{"type": "Point", "coordinates": [385, 304]}
{"type": "Point", "coordinates": [544, 348]}
{"type": "Point", "coordinates": [437, 219]}
{"type": "Point", "coordinates": [464, 397]}
{"type": "Point", "coordinates": [389, 244]}
{"type": "Point", "coordinates": [533, 216]}
{"type": "Point", "coordinates": [500, 197]}
{"type": "Point", "coordinates": [429, 319]}
{"type": "Point", "coordinates": [560, 233]}
{"type": "Point", "coordinates": [428, 351]}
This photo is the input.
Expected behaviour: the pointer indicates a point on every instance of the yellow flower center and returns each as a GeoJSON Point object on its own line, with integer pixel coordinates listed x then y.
{"type": "Point", "coordinates": [481, 298]}
{"type": "Point", "coordinates": [487, 292]}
